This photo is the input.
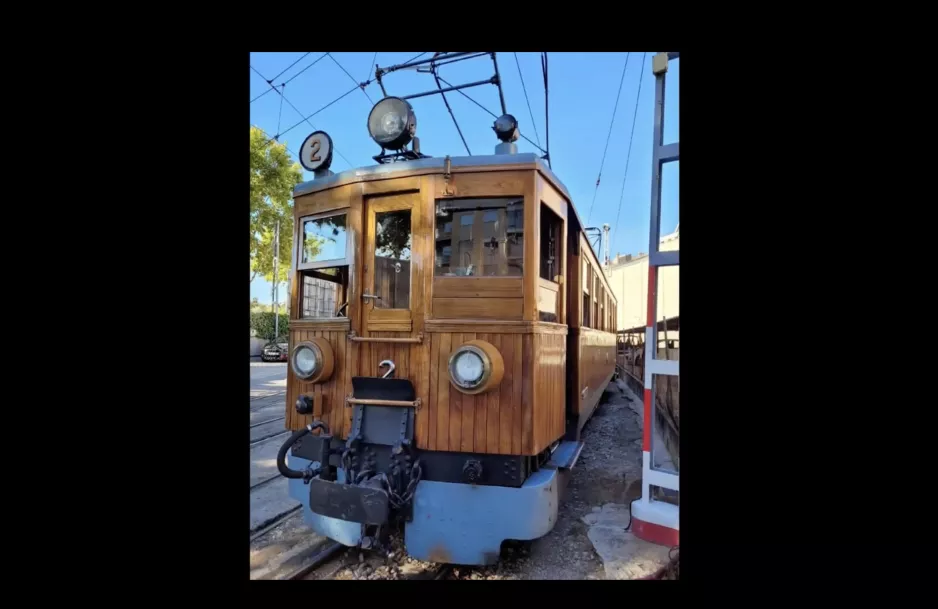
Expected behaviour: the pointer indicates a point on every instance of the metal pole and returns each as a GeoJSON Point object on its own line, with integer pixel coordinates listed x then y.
{"type": "Point", "coordinates": [448, 89]}
{"type": "Point", "coordinates": [276, 282]}
{"type": "Point", "coordinates": [421, 62]}
{"type": "Point", "coordinates": [498, 81]}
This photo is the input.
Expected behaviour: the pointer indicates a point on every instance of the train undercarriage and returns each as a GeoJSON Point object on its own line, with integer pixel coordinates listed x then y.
{"type": "Point", "coordinates": [453, 507]}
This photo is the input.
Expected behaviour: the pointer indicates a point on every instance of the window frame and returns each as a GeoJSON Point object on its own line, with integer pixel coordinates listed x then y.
{"type": "Point", "coordinates": [440, 222]}
{"type": "Point", "coordinates": [377, 319]}
{"type": "Point", "coordinates": [315, 274]}
{"type": "Point", "coordinates": [323, 264]}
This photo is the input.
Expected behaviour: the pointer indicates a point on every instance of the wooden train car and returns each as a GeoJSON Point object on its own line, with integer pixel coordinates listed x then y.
{"type": "Point", "coordinates": [451, 331]}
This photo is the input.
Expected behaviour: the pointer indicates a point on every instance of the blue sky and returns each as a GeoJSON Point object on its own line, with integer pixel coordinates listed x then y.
{"type": "Point", "coordinates": [582, 88]}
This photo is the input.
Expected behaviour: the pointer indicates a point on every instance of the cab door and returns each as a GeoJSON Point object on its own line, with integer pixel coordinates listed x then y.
{"type": "Point", "coordinates": [389, 278]}
{"type": "Point", "coordinates": [390, 285]}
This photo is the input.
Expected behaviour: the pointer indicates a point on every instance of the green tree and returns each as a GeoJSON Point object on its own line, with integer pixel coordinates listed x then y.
{"type": "Point", "coordinates": [273, 176]}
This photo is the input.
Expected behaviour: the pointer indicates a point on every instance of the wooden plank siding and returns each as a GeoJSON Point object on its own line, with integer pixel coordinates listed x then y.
{"type": "Point", "coordinates": [328, 397]}
{"type": "Point", "coordinates": [546, 364]}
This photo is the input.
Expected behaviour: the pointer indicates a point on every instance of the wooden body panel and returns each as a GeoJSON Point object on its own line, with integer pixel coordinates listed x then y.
{"type": "Point", "coordinates": [523, 415]}
{"type": "Point", "coordinates": [529, 408]}
{"type": "Point", "coordinates": [596, 363]}
{"type": "Point", "coordinates": [328, 397]}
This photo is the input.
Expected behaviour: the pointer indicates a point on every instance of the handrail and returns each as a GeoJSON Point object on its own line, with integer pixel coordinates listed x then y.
{"type": "Point", "coordinates": [372, 339]}
{"type": "Point", "coordinates": [350, 401]}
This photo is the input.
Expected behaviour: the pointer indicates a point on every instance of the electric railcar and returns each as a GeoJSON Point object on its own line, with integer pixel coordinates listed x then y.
{"type": "Point", "coordinates": [451, 332]}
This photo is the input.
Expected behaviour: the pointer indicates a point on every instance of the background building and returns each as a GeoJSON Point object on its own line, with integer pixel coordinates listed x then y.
{"type": "Point", "coordinates": [628, 277]}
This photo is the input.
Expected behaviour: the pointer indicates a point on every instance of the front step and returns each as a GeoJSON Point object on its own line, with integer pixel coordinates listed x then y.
{"type": "Point", "coordinates": [566, 455]}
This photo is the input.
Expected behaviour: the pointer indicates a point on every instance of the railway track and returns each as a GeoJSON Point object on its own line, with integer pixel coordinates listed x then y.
{"type": "Point", "coordinates": [322, 564]}
{"type": "Point", "coordinates": [284, 546]}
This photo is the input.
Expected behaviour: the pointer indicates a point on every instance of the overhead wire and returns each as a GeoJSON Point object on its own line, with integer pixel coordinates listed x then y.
{"type": "Point", "coordinates": [280, 112]}
{"type": "Point", "coordinates": [416, 57]}
{"type": "Point", "coordinates": [489, 111]}
{"type": "Point", "coordinates": [374, 62]}
{"type": "Point", "coordinates": [283, 98]}
{"type": "Point", "coordinates": [527, 101]}
{"type": "Point", "coordinates": [546, 113]}
{"type": "Point", "coordinates": [361, 85]}
{"type": "Point", "coordinates": [289, 66]}
{"type": "Point", "coordinates": [315, 61]}
{"type": "Point", "coordinates": [336, 150]}
{"type": "Point", "coordinates": [628, 154]}
{"type": "Point", "coordinates": [608, 137]}
{"type": "Point", "coordinates": [306, 118]}
{"type": "Point", "coordinates": [436, 77]}
{"type": "Point", "coordinates": [290, 79]}
{"type": "Point", "coordinates": [279, 142]}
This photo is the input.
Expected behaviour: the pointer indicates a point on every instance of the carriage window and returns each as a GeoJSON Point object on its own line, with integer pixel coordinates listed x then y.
{"type": "Point", "coordinates": [323, 239]}
{"type": "Point", "coordinates": [602, 312]}
{"type": "Point", "coordinates": [480, 237]}
{"type": "Point", "coordinates": [587, 303]}
{"type": "Point", "coordinates": [392, 259]}
{"type": "Point", "coordinates": [551, 235]}
{"type": "Point", "coordinates": [323, 293]}
{"type": "Point", "coordinates": [596, 288]}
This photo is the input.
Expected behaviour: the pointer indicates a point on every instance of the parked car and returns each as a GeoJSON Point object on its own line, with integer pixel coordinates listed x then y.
{"type": "Point", "coordinates": [276, 351]}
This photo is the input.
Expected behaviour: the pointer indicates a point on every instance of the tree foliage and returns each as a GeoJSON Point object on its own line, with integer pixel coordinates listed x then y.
{"type": "Point", "coordinates": [273, 176]}
{"type": "Point", "coordinates": [263, 323]}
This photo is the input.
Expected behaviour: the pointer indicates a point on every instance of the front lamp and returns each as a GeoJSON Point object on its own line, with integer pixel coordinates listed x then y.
{"type": "Point", "coordinates": [313, 360]}
{"type": "Point", "coordinates": [392, 123]}
{"type": "Point", "coordinates": [476, 367]}
{"type": "Point", "coordinates": [506, 128]}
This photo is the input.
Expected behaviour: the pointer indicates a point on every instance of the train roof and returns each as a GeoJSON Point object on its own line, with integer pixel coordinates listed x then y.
{"type": "Point", "coordinates": [429, 165]}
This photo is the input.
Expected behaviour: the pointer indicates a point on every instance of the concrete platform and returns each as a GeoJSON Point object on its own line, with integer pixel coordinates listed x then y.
{"type": "Point", "coordinates": [624, 556]}
{"type": "Point", "coordinates": [270, 500]}
{"type": "Point", "coordinates": [268, 378]}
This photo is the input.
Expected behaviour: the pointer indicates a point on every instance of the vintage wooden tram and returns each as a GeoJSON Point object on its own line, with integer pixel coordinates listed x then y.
{"type": "Point", "coordinates": [451, 331]}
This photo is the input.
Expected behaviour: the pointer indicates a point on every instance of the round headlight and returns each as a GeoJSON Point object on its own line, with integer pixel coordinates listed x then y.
{"type": "Point", "coordinates": [313, 360]}
{"type": "Point", "coordinates": [468, 368]}
{"type": "Point", "coordinates": [392, 123]}
{"type": "Point", "coordinates": [476, 367]}
{"type": "Point", "coordinates": [306, 361]}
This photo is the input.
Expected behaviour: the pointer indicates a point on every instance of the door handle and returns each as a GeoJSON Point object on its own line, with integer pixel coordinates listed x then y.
{"type": "Point", "coordinates": [374, 296]}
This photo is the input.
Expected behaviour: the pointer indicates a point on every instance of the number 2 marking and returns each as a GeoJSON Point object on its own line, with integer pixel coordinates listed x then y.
{"type": "Point", "coordinates": [314, 152]}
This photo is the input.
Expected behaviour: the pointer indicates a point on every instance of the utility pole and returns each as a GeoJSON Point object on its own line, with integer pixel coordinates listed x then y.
{"type": "Point", "coordinates": [606, 247]}
{"type": "Point", "coordinates": [275, 292]}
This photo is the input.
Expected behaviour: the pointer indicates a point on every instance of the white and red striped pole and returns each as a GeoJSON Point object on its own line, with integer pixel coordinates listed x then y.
{"type": "Point", "coordinates": [656, 521]}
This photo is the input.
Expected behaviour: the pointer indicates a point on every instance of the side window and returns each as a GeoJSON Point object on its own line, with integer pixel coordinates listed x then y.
{"type": "Point", "coordinates": [479, 237]}
{"type": "Point", "coordinates": [596, 287]}
{"type": "Point", "coordinates": [551, 251]}
{"type": "Point", "coordinates": [322, 264]}
{"type": "Point", "coordinates": [587, 302]}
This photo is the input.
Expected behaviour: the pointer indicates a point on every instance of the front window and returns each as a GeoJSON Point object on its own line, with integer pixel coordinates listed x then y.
{"type": "Point", "coordinates": [480, 237]}
{"type": "Point", "coordinates": [323, 240]}
{"type": "Point", "coordinates": [323, 293]}
{"type": "Point", "coordinates": [323, 265]}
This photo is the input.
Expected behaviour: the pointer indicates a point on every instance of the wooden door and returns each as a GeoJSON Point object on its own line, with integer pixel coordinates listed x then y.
{"type": "Point", "coordinates": [389, 283]}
